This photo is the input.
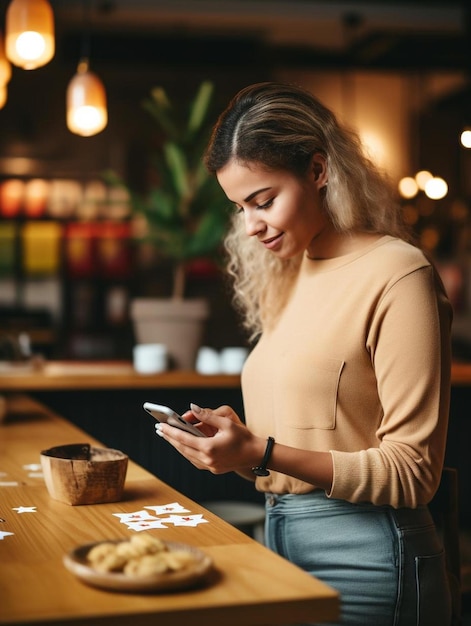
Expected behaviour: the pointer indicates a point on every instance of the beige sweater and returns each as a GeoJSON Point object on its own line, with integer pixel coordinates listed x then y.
{"type": "Point", "coordinates": [359, 364]}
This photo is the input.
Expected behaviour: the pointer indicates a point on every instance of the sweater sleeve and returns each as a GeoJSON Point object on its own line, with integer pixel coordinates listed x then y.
{"type": "Point", "coordinates": [409, 344]}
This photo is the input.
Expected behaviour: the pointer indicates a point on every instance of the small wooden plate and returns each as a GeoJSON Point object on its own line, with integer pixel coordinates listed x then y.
{"type": "Point", "coordinates": [77, 563]}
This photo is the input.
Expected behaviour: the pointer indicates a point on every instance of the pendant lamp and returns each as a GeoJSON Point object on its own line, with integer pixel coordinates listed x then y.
{"type": "Point", "coordinates": [87, 112]}
{"type": "Point", "coordinates": [29, 33]}
{"type": "Point", "coordinates": [5, 66]}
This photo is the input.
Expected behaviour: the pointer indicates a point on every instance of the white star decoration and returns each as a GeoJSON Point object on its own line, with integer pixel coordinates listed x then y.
{"type": "Point", "coordinates": [24, 509]}
{"type": "Point", "coordinates": [147, 524]}
{"type": "Point", "coordinates": [3, 534]}
{"type": "Point", "coordinates": [186, 520]}
{"type": "Point", "coordinates": [165, 509]}
{"type": "Point", "coordinates": [143, 520]}
{"type": "Point", "coordinates": [137, 516]}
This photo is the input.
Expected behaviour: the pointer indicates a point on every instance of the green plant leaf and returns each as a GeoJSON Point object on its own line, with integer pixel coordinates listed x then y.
{"type": "Point", "coordinates": [200, 106]}
{"type": "Point", "coordinates": [208, 235]}
{"type": "Point", "coordinates": [160, 108]}
{"type": "Point", "coordinates": [176, 161]}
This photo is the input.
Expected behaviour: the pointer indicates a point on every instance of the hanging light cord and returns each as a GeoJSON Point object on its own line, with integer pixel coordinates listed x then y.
{"type": "Point", "coordinates": [86, 44]}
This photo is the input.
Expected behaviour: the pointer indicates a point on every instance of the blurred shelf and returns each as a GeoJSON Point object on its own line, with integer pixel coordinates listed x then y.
{"type": "Point", "coordinates": [63, 375]}
{"type": "Point", "coordinates": [68, 375]}
{"type": "Point", "coordinates": [461, 374]}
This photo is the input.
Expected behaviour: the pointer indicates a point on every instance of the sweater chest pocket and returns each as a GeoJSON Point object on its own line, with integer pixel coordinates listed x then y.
{"type": "Point", "coordinates": [317, 394]}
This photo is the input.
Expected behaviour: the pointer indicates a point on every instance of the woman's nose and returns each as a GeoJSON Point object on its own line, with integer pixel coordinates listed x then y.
{"type": "Point", "coordinates": [253, 223]}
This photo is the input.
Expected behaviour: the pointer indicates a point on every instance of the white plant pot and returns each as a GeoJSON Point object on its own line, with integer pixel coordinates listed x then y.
{"type": "Point", "coordinates": [178, 324]}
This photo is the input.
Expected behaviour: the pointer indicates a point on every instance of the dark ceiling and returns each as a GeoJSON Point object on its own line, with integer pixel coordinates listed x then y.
{"type": "Point", "coordinates": [377, 34]}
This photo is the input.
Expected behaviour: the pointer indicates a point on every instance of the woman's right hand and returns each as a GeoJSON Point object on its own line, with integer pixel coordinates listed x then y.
{"type": "Point", "coordinates": [229, 445]}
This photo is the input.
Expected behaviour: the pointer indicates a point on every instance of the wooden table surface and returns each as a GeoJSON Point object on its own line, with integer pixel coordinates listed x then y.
{"type": "Point", "coordinates": [69, 375]}
{"type": "Point", "coordinates": [249, 584]}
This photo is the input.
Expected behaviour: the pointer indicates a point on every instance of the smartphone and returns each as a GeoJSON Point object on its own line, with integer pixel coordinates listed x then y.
{"type": "Point", "coordinates": [169, 416]}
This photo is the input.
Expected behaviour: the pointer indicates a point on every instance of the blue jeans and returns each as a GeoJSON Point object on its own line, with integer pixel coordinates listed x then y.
{"type": "Point", "coordinates": [387, 564]}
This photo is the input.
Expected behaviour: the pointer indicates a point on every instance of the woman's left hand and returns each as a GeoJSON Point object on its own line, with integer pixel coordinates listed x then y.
{"type": "Point", "coordinates": [228, 445]}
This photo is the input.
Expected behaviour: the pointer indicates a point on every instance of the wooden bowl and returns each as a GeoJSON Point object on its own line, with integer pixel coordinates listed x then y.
{"type": "Point", "coordinates": [82, 474]}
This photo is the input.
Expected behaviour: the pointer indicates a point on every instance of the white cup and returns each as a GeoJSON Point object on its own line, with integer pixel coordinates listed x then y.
{"type": "Point", "coordinates": [208, 361]}
{"type": "Point", "coordinates": [233, 359]}
{"type": "Point", "coordinates": [150, 358]}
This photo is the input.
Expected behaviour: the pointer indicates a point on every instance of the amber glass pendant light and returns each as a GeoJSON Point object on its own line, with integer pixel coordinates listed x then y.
{"type": "Point", "coordinates": [87, 112]}
{"type": "Point", "coordinates": [29, 33]}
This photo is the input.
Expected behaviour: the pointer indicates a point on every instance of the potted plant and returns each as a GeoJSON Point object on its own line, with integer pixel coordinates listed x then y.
{"type": "Point", "coordinates": [185, 215]}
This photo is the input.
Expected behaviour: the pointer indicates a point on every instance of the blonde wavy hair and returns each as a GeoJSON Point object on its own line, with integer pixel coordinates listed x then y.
{"type": "Point", "coordinates": [281, 126]}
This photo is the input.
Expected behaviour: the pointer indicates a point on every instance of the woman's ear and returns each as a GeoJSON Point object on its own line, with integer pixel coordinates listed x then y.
{"type": "Point", "coordinates": [319, 170]}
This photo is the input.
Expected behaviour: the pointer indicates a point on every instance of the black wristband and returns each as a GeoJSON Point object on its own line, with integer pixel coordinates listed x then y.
{"type": "Point", "coordinates": [261, 470]}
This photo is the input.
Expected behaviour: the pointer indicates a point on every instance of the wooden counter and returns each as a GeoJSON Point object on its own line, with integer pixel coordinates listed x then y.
{"type": "Point", "coordinates": [250, 584]}
{"type": "Point", "coordinates": [64, 375]}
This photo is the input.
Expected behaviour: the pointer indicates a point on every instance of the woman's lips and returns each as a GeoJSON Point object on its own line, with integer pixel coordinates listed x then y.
{"type": "Point", "coordinates": [272, 242]}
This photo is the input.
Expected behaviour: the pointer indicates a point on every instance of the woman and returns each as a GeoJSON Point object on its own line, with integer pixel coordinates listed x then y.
{"type": "Point", "coordinates": [346, 392]}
